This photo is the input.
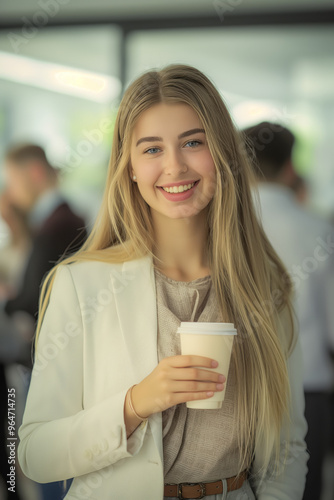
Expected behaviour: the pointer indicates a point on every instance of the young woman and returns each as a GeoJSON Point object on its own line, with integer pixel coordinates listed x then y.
{"type": "Point", "coordinates": [176, 239]}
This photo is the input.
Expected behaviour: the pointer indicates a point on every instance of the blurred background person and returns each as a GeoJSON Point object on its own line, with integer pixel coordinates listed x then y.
{"type": "Point", "coordinates": [12, 258]}
{"type": "Point", "coordinates": [15, 335]}
{"type": "Point", "coordinates": [13, 253]}
{"type": "Point", "coordinates": [300, 189]}
{"type": "Point", "coordinates": [43, 228]}
{"type": "Point", "coordinates": [32, 185]}
{"type": "Point", "coordinates": [304, 242]}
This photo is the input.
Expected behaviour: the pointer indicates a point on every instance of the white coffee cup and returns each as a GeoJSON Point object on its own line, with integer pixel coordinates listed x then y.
{"type": "Point", "coordinates": [212, 340]}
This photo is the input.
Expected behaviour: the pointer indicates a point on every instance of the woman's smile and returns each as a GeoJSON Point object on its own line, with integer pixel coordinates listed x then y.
{"type": "Point", "coordinates": [179, 191]}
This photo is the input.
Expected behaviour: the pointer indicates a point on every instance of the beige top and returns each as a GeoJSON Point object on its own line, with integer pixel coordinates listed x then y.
{"type": "Point", "coordinates": [199, 445]}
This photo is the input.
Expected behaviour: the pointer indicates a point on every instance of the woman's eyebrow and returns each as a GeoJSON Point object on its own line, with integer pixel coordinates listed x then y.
{"type": "Point", "coordinates": [184, 134]}
{"type": "Point", "coordinates": [148, 139]}
{"type": "Point", "coordinates": [190, 132]}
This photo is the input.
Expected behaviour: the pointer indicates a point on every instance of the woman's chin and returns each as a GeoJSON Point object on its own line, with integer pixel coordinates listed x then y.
{"type": "Point", "coordinates": [185, 212]}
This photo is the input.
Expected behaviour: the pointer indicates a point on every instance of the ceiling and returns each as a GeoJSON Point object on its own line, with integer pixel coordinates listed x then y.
{"type": "Point", "coordinates": [97, 48]}
{"type": "Point", "coordinates": [15, 9]}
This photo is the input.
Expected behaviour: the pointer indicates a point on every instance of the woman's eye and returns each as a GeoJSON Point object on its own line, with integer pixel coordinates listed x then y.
{"type": "Point", "coordinates": [152, 151]}
{"type": "Point", "coordinates": [193, 144]}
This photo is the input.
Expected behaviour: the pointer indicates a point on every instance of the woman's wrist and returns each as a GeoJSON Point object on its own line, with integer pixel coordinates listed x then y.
{"type": "Point", "coordinates": [140, 417]}
{"type": "Point", "coordinates": [132, 418]}
{"type": "Point", "coordinates": [136, 400]}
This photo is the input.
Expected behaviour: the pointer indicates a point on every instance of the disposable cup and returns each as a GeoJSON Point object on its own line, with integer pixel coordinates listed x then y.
{"type": "Point", "coordinates": [213, 340]}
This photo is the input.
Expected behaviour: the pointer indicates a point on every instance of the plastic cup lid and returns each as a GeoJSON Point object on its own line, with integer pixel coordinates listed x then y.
{"type": "Point", "coordinates": [207, 328]}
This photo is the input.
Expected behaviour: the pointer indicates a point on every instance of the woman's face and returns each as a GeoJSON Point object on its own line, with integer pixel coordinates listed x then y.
{"type": "Point", "coordinates": [171, 160]}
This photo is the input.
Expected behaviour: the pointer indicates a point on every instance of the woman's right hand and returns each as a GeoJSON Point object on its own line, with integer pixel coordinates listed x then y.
{"type": "Point", "coordinates": [176, 379]}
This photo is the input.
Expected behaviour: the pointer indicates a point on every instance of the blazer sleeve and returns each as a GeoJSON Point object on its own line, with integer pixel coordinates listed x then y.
{"type": "Point", "coordinates": [59, 438]}
{"type": "Point", "coordinates": [289, 484]}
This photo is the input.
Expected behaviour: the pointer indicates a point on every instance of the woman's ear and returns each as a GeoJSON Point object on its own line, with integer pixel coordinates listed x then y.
{"type": "Point", "coordinates": [132, 174]}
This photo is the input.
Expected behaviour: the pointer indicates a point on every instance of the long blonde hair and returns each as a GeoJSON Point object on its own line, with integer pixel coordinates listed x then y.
{"type": "Point", "coordinates": [252, 286]}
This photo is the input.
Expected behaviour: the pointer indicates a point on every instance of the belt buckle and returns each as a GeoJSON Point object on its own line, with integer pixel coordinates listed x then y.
{"type": "Point", "coordinates": [179, 489]}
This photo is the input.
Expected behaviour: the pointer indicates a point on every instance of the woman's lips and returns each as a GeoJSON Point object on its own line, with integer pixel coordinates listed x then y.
{"type": "Point", "coordinates": [179, 196]}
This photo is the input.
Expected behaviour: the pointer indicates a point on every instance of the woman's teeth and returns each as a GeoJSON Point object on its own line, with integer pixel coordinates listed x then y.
{"type": "Point", "coordinates": [178, 189]}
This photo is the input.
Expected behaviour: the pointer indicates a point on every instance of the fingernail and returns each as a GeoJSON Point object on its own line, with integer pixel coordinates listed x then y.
{"type": "Point", "coordinates": [221, 378]}
{"type": "Point", "coordinates": [214, 364]}
{"type": "Point", "coordinates": [220, 387]}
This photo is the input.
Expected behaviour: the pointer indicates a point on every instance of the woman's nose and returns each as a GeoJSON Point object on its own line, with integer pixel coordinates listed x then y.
{"type": "Point", "coordinates": [174, 164]}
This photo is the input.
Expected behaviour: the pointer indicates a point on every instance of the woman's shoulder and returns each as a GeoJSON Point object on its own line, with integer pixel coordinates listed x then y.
{"type": "Point", "coordinates": [93, 271]}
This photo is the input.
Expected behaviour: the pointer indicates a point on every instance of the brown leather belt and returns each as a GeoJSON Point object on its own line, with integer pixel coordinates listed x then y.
{"type": "Point", "coordinates": [200, 490]}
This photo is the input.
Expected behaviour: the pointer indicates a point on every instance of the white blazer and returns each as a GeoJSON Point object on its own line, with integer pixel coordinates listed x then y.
{"type": "Point", "coordinates": [99, 337]}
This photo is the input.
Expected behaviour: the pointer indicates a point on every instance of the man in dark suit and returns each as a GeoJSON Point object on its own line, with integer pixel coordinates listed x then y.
{"type": "Point", "coordinates": [32, 185]}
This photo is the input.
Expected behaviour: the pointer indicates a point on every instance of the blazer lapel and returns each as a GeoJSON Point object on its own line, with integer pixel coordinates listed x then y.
{"type": "Point", "coordinates": [135, 298]}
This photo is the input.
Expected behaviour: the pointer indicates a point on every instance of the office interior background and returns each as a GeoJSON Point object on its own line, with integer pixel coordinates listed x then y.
{"type": "Point", "coordinates": [64, 64]}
